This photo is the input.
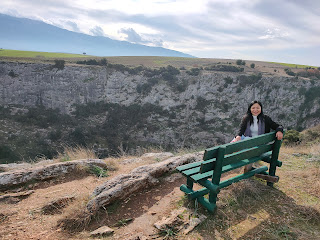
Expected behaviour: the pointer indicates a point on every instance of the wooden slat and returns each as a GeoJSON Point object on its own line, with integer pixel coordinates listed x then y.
{"type": "Point", "coordinates": [242, 176]}
{"type": "Point", "coordinates": [249, 143]}
{"type": "Point", "coordinates": [246, 154]}
{"type": "Point", "coordinates": [210, 153]}
{"type": "Point", "coordinates": [207, 165]}
{"type": "Point", "coordinates": [267, 177]}
{"type": "Point", "coordinates": [191, 171]}
{"type": "Point", "coordinates": [188, 166]}
{"type": "Point", "coordinates": [226, 168]}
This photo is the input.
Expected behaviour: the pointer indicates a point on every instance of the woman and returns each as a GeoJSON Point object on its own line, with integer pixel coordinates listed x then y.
{"type": "Point", "coordinates": [255, 123]}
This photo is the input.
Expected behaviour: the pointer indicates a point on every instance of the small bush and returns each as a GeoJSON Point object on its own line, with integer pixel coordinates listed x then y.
{"type": "Point", "coordinates": [252, 65]}
{"type": "Point", "coordinates": [59, 64]}
{"type": "Point", "coordinates": [12, 74]}
{"type": "Point", "coordinates": [291, 137]}
{"type": "Point", "coordinates": [194, 72]}
{"type": "Point", "coordinates": [240, 62]}
{"type": "Point", "coordinates": [249, 80]}
{"type": "Point", "coordinates": [224, 68]}
{"type": "Point", "coordinates": [98, 171]}
{"type": "Point", "coordinates": [289, 72]}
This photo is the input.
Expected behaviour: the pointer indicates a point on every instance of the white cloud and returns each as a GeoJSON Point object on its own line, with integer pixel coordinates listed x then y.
{"type": "Point", "coordinates": [203, 28]}
{"type": "Point", "coordinates": [97, 31]}
{"type": "Point", "coordinates": [274, 33]}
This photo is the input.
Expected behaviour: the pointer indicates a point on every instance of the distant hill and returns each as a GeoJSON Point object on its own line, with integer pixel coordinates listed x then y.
{"type": "Point", "coordinates": [32, 35]}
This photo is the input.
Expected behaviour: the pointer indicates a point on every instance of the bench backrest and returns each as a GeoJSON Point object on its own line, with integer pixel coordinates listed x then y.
{"type": "Point", "coordinates": [237, 151]}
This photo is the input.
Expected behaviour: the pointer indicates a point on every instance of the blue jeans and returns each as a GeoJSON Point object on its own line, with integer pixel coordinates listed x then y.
{"type": "Point", "coordinates": [244, 137]}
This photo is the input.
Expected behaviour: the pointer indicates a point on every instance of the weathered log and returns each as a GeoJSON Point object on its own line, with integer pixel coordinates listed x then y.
{"type": "Point", "coordinates": [268, 178]}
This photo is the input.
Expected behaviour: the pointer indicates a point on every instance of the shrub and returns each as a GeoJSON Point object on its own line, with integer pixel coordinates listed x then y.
{"type": "Point", "coordinates": [248, 80]}
{"type": "Point", "coordinates": [292, 137]}
{"type": "Point", "coordinates": [240, 62]}
{"type": "Point", "coordinates": [98, 171]}
{"type": "Point", "coordinates": [202, 104]}
{"type": "Point", "coordinates": [194, 72]}
{"type": "Point", "coordinates": [224, 68]}
{"type": "Point", "coordinates": [12, 74]}
{"type": "Point", "coordinates": [252, 65]}
{"type": "Point", "coordinates": [309, 73]}
{"type": "Point", "coordinates": [59, 64]}
{"type": "Point", "coordinates": [311, 135]}
{"type": "Point", "coordinates": [289, 72]}
{"type": "Point", "coordinates": [228, 80]}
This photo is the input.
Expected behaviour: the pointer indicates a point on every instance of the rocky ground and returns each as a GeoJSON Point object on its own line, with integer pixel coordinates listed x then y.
{"type": "Point", "coordinates": [39, 211]}
{"type": "Point", "coordinates": [58, 207]}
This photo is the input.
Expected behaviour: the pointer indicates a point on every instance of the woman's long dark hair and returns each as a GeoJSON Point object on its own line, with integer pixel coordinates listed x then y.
{"type": "Point", "coordinates": [249, 114]}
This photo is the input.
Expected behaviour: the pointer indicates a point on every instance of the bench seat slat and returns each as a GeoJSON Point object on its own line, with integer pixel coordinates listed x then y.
{"type": "Point", "coordinates": [192, 168]}
{"type": "Point", "coordinates": [229, 167]}
{"type": "Point", "coordinates": [188, 166]}
{"type": "Point", "coordinates": [190, 172]}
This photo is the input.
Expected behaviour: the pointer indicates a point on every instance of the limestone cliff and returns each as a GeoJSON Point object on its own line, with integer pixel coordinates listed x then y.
{"type": "Point", "coordinates": [195, 110]}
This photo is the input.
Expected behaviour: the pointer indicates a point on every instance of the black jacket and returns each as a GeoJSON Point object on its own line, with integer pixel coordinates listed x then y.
{"type": "Point", "coordinates": [269, 124]}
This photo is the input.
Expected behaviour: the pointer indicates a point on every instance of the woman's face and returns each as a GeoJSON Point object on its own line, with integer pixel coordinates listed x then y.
{"type": "Point", "coordinates": [255, 109]}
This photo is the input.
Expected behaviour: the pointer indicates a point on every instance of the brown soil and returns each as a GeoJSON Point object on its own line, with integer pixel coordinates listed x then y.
{"type": "Point", "coordinates": [26, 220]}
{"type": "Point", "coordinates": [245, 211]}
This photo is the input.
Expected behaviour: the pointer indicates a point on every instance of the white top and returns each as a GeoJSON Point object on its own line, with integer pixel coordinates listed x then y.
{"type": "Point", "coordinates": [254, 127]}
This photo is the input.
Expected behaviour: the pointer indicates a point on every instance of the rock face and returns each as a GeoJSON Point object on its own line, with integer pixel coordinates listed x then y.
{"type": "Point", "coordinates": [197, 111]}
{"type": "Point", "coordinates": [140, 178]}
{"type": "Point", "coordinates": [15, 179]}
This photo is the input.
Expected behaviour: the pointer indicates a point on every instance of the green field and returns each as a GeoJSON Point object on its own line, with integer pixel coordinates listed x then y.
{"type": "Point", "coordinates": [39, 55]}
{"type": "Point", "coordinates": [147, 61]}
{"type": "Point", "coordinates": [291, 65]}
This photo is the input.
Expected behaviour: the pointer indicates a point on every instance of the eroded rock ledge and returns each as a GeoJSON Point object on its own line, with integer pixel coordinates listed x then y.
{"type": "Point", "coordinates": [14, 179]}
{"type": "Point", "coordinates": [124, 185]}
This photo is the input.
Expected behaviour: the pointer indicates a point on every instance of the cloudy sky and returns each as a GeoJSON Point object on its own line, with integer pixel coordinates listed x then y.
{"type": "Point", "coordinates": [266, 30]}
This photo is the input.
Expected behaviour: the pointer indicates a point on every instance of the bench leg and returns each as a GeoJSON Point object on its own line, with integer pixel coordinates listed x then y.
{"type": "Point", "coordinates": [274, 160]}
{"type": "Point", "coordinates": [189, 183]}
{"type": "Point", "coordinates": [213, 197]}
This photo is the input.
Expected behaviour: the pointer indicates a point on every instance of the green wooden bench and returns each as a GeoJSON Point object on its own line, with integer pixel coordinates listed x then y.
{"type": "Point", "coordinates": [227, 157]}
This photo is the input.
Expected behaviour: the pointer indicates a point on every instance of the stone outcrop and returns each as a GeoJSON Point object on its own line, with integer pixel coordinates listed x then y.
{"type": "Point", "coordinates": [102, 231]}
{"type": "Point", "coordinates": [15, 197]}
{"type": "Point", "coordinates": [124, 185]}
{"type": "Point", "coordinates": [157, 156]}
{"type": "Point", "coordinates": [181, 220]}
{"type": "Point", "coordinates": [15, 179]}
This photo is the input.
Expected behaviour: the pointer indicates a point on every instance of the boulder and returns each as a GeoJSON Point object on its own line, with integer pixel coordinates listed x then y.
{"type": "Point", "coordinates": [140, 178]}
{"type": "Point", "coordinates": [15, 179]}
{"type": "Point", "coordinates": [181, 220]}
{"type": "Point", "coordinates": [102, 231]}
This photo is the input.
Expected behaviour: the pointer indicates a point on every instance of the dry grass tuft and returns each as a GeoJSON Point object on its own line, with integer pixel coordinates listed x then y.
{"type": "Point", "coordinates": [112, 164]}
{"type": "Point", "coordinates": [76, 217]}
{"type": "Point", "coordinates": [75, 153]}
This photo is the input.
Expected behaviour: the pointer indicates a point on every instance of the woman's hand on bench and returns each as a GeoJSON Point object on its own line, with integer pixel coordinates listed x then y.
{"type": "Point", "coordinates": [279, 135]}
{"type": "Point", "coordinates": [236, 139]}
